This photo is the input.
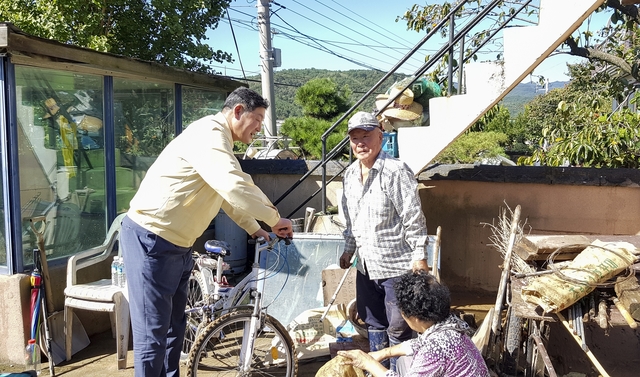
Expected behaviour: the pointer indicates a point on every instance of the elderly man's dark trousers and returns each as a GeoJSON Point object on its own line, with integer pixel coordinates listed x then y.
{"type": "Point", "coordinates": [376, 301]}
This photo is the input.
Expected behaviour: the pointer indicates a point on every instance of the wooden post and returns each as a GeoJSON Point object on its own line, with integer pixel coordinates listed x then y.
{"type": "Point", "coordinates": [506, 270]}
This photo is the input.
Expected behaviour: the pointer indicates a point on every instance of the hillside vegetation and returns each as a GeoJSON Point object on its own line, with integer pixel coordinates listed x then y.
{"type": "Point", "coordinates": [288, 81]}
{"type": "Point", "coordinates": [524, 93]}
{"type": "Point", "coordinates": [359, 82]}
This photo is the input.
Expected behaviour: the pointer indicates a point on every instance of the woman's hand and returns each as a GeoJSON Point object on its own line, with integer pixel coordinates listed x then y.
{"type": "Point", "coordinates": [365, 361]}
{"type": "Point", "coordinates": [379, 356]}
{"type": "Point", "coordinates": [358, 359]}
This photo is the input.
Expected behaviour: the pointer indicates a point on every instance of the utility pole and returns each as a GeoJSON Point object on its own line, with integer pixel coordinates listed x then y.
{"type": "Point", "coordinates": [266, 57]}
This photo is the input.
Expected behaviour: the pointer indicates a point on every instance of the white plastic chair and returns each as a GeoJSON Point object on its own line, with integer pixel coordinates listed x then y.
{"type": "Point", "coordinates": [98, 295]}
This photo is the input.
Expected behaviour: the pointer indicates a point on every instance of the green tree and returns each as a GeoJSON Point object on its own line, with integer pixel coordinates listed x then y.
{"type": "Point", "coordinates": [288, 81]}
{"type": "Point", "coordinates": [322, 98]}
{"type": "Point", "coordinates": [580, 128]}
{"type": "Point", "coordinates": [322, 103]}
{"type": "Point", "coordinates": [305, 132]}
{"type": "Point", "coordinates": [489, 137]}
{"type": "Point", "coordinates": [167, 32]}
{"type": "Point", "coordinates": [472, 147]}
{"type": "Point", "coordinates": [498, 119]}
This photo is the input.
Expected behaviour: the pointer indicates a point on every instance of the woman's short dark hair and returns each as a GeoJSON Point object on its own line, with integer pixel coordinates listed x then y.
{"type": "Point", "coordinates": [419, 295]}
{"type": "Point", "coordinates": [247, 97]}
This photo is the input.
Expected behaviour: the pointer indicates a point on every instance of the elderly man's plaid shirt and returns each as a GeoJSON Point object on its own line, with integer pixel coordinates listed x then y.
{"type": "Point", "coordinates": [385, 223]}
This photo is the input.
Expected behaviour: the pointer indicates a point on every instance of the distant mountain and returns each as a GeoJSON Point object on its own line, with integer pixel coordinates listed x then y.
{"type": "Point", "coordinates": [359, 82]}
{"type": "Point", "coordinates": [524, 93]}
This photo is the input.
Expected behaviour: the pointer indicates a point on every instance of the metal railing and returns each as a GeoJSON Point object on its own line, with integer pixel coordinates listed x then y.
{"type": "Point", "coordinates": [454, 38]}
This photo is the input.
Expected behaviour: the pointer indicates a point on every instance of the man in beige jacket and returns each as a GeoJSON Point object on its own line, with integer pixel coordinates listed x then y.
{"type": "Point", "coordinates": [194, 176]}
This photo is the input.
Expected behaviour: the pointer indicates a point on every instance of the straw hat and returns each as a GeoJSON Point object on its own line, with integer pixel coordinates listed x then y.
{"type": "Point", "coordinates": [52, 107]}
{"type": "Point", "coordinates": [403, 107]}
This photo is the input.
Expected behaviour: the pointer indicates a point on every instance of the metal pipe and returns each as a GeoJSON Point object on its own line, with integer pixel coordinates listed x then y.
{"type": "Point", "coordinates": [461, 89]}
{"type": "Point", "coordinates": [452, 30]}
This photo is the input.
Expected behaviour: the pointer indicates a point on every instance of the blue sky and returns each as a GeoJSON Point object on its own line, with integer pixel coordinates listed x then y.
{"type": "Point", "coordinates": [335, 35]}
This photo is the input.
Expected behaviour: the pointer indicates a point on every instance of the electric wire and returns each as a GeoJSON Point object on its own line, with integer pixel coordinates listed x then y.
{"type": "Point", "coordinates": [317, 45]}
{"type": "Point", "coordinates": [386, 35]}
{"type": "Point", "coordinates": [247, 25]}
{"type": "Point", "coordinates": [378, 58]}
{"type": "Point", "coordinates": [299, 37]}
{"type": "Point", "coordinates": [235, 41]}
{"type": "Point", "coordinates": [332, 47]}
{"type": "Point", "coordinates": [321, 47]}
{"type": "Point", "coordinates": [348, 28]}
{"type": "Point", "coordinates": [405, 45]}
{"type": "Point", "coordinates": [327, 50]}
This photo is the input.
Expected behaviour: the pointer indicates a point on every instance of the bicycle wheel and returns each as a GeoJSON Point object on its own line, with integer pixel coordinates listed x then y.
{"type": "Point", "coordinates": [216, 351]}
{"type": "Point", "coordinates": [195, 297]}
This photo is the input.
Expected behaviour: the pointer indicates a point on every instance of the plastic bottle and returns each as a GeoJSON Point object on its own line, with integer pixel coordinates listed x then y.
{"type": "Point", "coordinates": [122, 273]}
{"type": "Point", "coordinates": [114, 271]}
{"type": "Point", "coordinates": [32, 357]}
{"type": "Point", "coordinates": [118, 271]}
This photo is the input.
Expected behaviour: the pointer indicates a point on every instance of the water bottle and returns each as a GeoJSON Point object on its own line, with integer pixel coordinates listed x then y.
{"type": "Point", "coordinates": [32, 357]}
{"type": "Point", "coordinates": [114, 271]}
{"type": "Point", "coordinates": [122, 274]}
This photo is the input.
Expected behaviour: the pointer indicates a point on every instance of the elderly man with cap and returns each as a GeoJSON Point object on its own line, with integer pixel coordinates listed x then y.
{"type": "Point", "coordinates": [385, 229]}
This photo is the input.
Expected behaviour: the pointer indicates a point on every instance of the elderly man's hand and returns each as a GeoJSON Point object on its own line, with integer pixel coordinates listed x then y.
{"type": "Point", "coordinates": [420, 265]}
{"type": "Point", "coordinates": [345, 260]}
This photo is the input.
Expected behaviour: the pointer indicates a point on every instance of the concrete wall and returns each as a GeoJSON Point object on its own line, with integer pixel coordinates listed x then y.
{"type": "Point", "coordinates": [463, 208]}
{"type": "Point", "coordinates": [14, 320]}
{"type": "Point", "coordinates": [459, 199]}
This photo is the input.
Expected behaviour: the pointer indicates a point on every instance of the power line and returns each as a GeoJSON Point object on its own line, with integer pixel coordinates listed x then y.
{"type": "Point", "coordinates": [408, 45]}
{"type": "Point", "coordinates": [324, 45]}
{"type": "Point", "coordinates": [319, 46]}
{"type": "Point", "coordinates": [284, 84]}
{"type": "Point", "coordinates": [347, 27]}
{"type": "Point", "coordinates": [317, 23]}
{"type": "Point", "coordinates": [248, 25]}
{"type": "Point", "coordinates": [324, 48]}
{"type": "Point", "coordinates": [236, 43]}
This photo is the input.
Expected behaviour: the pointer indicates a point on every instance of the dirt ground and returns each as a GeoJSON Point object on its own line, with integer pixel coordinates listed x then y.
{"type": "Point", "coordinates": [616, 349]}
{"type": "Point", "coordinates": [99, 358]}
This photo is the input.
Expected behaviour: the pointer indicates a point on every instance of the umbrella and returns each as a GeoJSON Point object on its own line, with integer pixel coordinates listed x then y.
{"type": "Point", "coordinates": [36, 300]}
